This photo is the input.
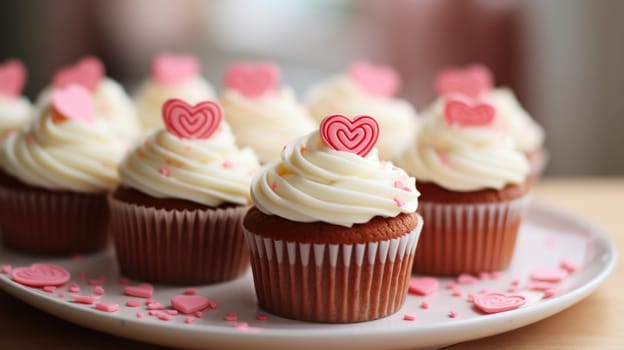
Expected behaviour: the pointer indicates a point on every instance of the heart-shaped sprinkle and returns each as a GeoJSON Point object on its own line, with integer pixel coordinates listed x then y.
{"type": "Point", "coordinates": [423, 285]}
{"type": "Point", "coordinates": [140, 291]}
{"type": "Point", "coordinates": [12, 78]}
{"type": "Point", "coordinates": [252, 80]}
{"type": "Point", "coordinates": [470, 81]}
{"type": "Point", "coordinates": [549, 275]}
{"type": "Point", "coordinates": [378, 80]}
{"type": "Point", "coordinates": [170, 69]}
{"type": "Point", "coordinates": [40, 275]}
{"type": "Point", "coordinates": [357, 136]}
{"type": "Point", "coordinates": [468, 113]}
{"type": "Point", "coordinates": [192, 122]}
{"type": "Point", "coordinates": [188, 304]}
{"type": "Point", "coordinates": [494, 302]}
{"type": "Point", "coordinates": [87, 72]}
{"type": "Point", "coordinates": [72, 102]}
{"type": "Point", "coordinates": [465, 278]}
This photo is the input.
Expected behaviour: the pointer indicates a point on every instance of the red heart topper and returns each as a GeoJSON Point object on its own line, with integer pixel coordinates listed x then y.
{"type": "Point", "coordinates": [73, 102]}
{"type": "Point", "coordinates": [192, 122]}
{"type": "Point", "coordinates": [470, 81]}
{"type": "Point", "coordinates": [357, 136]}
{"type": "Point", "coordinates": [88, 72]}
{"type": "Point", "coordinates": [378, 80]}
{"type": "Point", "coordinates": [12, 78]}
{"type": "Point", "coordinates": [253, 80]}
{"type": "Point", "coordinates": [170, 69]}
{"type": "Point", "coordinates": [468, 113]}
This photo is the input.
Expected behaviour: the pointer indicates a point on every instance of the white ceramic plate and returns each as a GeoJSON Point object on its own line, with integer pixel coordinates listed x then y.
{"type": "Point", "coordinates": [546, 237]}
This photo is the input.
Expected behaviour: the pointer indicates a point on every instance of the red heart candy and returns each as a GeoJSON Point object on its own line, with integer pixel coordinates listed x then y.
{"type": "Point", "coordinates": [12, 78]}
{"type": "Point", "coordinates": [377, 80]}
{"type": "Point", "coordinates": [468, 113]}
{"type": "Point", "coordinates": [357, 136]}
{"type": "Point", "coordinates": [87, 72]}
{"type": "Point", "coordinates": [252, 80]}
{"type": "Point", "coordinates": [40, 275]}
{"type": "Point", "coordinates": [140, 291]}
{"type": "Point", "coordinates": [470, 81]}
{"type": "Point", "coordinates": [192, 122]}
{"type": "Point", "coordinates": [73, 102]}
{"type": "Point", "coordinates": [188, 304]}
{"type": "Point", "coordinates": [172, 69]}
{"type": "Point", "coordinates": [493, 302]}
{"type": "Point", "coordinates": [423, 285]}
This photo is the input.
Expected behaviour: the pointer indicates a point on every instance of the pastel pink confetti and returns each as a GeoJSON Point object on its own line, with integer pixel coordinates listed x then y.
{"type": "Point", "coordinates": [188, 304]}
{"type": "Point", "coordinates": [466, 279]}
{"type": "Point", "coordinates": [398, 201]}
{"type": "Point", "coordinates": [133, 303]}
{"type": "Point", "coordinates": [98, 290]}
{"type": "Point", "coordinates": [107, 307]}
{"type": "Point", "coordinates": [549, 275]}
{"type": "Point", "coordinates": [274, 187]}
{"type": "Point", "coordinates": [6, 269]}
{"type": "Point", "coordinates": [453, 314]}
{"type": "Point", "coordinates": [424, 305]}
{"type": "Point", "coordinates": [164, 317]}
{"type": "Point", "coordinates": [164, 171]}
{"type": "Point", "coordinates": [141, 291]}
{"type": "Point", "coordinates": [150, 300]}
{"type": "Point", "coordinates": [190, 291]}
{"type": "Point", "coordinates": [228, 164]}
{"type": "Point", "coordinates": [451, 285]}
{"type": "Point", "coordinates": [231, 317]}
{"type": "Point", "coordinates": [84, 299]}
{"type": "Point", "coordinates": [409, 317]}
{"type": "Point", "coordinates": [515, 282]}
{"type": "Point", "coordinates": [140, 315]}
{"type": "Point", "coordinates": [155, 306]}
{"type": "Point", "coordinates": [423, 285]}
{"type": "Point", "coordinates": [61, 295]}
{"type": "Point", "coordinates": [189, 320]}
{"type": "Point", "coordinates": [49, 289]}
{"type": "Point", "coordinates": [73, 288]}
{"type": "Point", "coordinates": [172, 312]}
{"type": "Point", "coordinates": [568, 265]}
{"type": "Point", "coordinates": [457, 293]}
{"type": "Point", "coordinates": [549, 293]}
{"type": "Point", "coordinates": [400, 185]}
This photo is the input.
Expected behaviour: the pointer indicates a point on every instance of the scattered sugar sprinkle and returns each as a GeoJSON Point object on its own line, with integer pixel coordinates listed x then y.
{"type": "Point", "coordinates": [190, 291]}
{"type": "Point", "coordinates": [133, 303]}
{"type": "Point", "coordinates": [155, 306]}
{"type": "Point", "coordinates": [140, 315]}
{"type": "Point", "coordinates": [424, 305]}
{"type": "Point", "coordinates": [457, 293]}
{"type": "Point", "coordinates": [61, 295]}
{"type": "Point", "coordinates": [189, 320]}
{"type": "Point", "coordinates": [231, 317]}
{"type": "Point", "coordinates": [465, 278]}
{"type": "Point", "coordinates": [398, 201]}
{"type": "Point", "coordinates": [409, 317]}
{"type": "Point", "coordinates": [262, 317]}
{"type": "Point", "coordinates": [164, 171]}
{"type": "Point", "coordinates": [171, 312]}
{"type": "Point", "coordinates": [107, 307]}
{"type": "Point", "coordinates": [568, 265]}
{"type": "Point", "coordinates": [451, 285]}
{"type": "Point", "coordinates": [400, 185]}
{"type": "Point", "coordinates": [49, 289]}
{"type": "Point", "coordinates": [198, 314]}
{"type": "Point", "coordinates": [98, 290]}
{"type": "Point", "coordinates": [453, 314]}
{"type": "Point", "coordinates": [6, 269]}
{"type": "Point", "coordinates": [485, 275]}
{"type": "Point", "coordinates": [228, 164]}
{"type": "Point", "coordinates": [163, 316]}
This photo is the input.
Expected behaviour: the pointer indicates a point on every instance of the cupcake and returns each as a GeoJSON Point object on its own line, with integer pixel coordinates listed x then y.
{"type": "Point", "coordinates": [477, 81]}
{"type": "Point", "coordinates": [264, 115]}
{"type": "Point", "coordinates": [366, 88]}
{"type": "Point", "coordinates": [333, 230]}
{"type": "Point", "coordinates": [172, 76]}
{"type": "Point", "coordinates": [473, 185]}
{"type": "Point", "coordinates": [15, 110]}
{"type": "Point", "coordinates": [56, 175]}
{"type": "Point", "coordinates": [111, 102]}
{"type": "Point", "coordinates": [176, 217]}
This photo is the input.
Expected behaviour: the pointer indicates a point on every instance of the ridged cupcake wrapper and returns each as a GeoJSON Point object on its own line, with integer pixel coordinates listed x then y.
{"type": "Point", "coordinates": [54, 223]}
{"type": "Point", "coordinates": [334, 283]}
{"type": "Point", "coordinates": [468, 238]}
{"type": "Point", "coordinates": [179, 246]}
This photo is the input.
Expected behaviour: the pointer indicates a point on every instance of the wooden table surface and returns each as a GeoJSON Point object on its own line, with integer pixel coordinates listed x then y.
{"type": "Point", "coordinates": [597, 322]}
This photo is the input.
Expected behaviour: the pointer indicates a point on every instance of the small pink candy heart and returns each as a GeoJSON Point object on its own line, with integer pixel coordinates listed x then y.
{"type": "Point", "coordinates": [549, 275]}
{"type": "Point", "coordinates": [171, 69]}
{"type": "Point", "coordinates": [423, 285]}
{"type": "Point", "coordinates": [141, 291]}
{"type": "Point", "coordinates": [192, 122]}
{"type": "Point", "coordinates": [253, 80]}
{"type": "Point", "coordinates": [494, 302]}
{"type": "Point", "coordinates": [378, 80]}
{"type": "Point", "coordinates": [12, 78]}
{"type": "Point", "coordinates": [88, 72]}
{"type": "Point", "coordinates": [188, 304]}
{"type": "Point", "coordinates": [357, 136]}
{"type": "Point", "coordinates": [465, 278]}
{"type": "Point", "coordinates": [73, 102]}
{"type": "Point", "coordinates": [40, 275]}
{"type": "Point", "coordinates": [470, 81]}
{"type": "Point", "coordinates": [468, 113]}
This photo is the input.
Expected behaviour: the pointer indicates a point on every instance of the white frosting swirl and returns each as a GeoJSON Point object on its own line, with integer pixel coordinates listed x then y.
{"type": "Point", "coordinates": [315, 183]}
{"type": "Point", "coordinates": [210, 171]}
{"type": "Point", "coordinates": [266, 123]}
{"type": "Point", "coordinates": [397, 118]}
{"type": "Point", "coordinates": [152, 95]}
{"type": "Point", "coordinates": [464, 158]}
{"type": "Point", "coordinates": [15, 114]}
{"type": "Point", "coordinates": [70, 155]}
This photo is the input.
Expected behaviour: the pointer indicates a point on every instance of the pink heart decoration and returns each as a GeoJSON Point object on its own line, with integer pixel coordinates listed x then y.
{"type": "Point", "coordinates": [470, 81]}
{"type": "Point", "coordinates": [12, 78]}
{"type": "Point", "coordinates": [549, 275]}
{"type": "Point", "coordinates": [468, 113]}
{"type": "Point", "coordinates": [87, 72]}
{"type": "Point", "coordinates": [357, 136]}
{"type": "Point", "coordinates": [192, 122]}
{"type": "Point", "coordinates": [423, 285]}
{"type": "Point", "coordinates": [253, 80]}
{"type": "Point", "coordinates": [494, 302]}
{"type": "Point", "coordinates": [172, 69]}
{"type": "Point", "coordinates": [141, 291]}
{"type": "Point", "coordinates": [73, 102]}
{"type": "Point", "coordinates": [378, 80]}
{"type": "Point", "coordinates": [40, 275]}
{"type": "Point", "coordinates": [188, 304]}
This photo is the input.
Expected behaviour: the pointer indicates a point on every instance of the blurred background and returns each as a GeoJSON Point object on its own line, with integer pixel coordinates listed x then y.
{"type": "Point", "coordinates": [562, 57]}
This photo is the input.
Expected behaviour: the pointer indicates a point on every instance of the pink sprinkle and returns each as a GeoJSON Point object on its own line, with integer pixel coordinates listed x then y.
{"type": "Point", "coordinates": [107, 307]}
{"type": "Point", "coordinates": [123, 281]}
{"type": "Point", "coordinates": [400, 185]}
{"type": "Point", "coordinates": [6, 269]}
{"type": "Point", "coordinates": [164, 317]}
{"type": "Point", "coordinates": [424, 305]}
{"type": "Point", "coordinates": [140, 315]}
{"type": "Point", "coordinates": [457, 293]}
{"type": "Point", "coordinates": [212, 305]}
{"type": "Point", "coordinates": [155, 306]}
{"type": "Point", "coordinates": [471, 297]}
{"type": "Point", "coordinates": [98, 290]}
{"type": "Point", "coordinates": [84, 299]}
{"type": "Point", "coordinates": [96, 282]}
{"type": "Point", "coordinates": [49, 289]}
{"type": "Point", "coordinates": [512, 289]}
{"type": "Point", "coordinates": [164, 171]}
{"type": "Point", "coordinates": [453, 314]}
{"type": "Point", "coordinates": [73, 288]}
{"type": "Point", "coordinates": [262, 317]}
{"type": "Point", "coordinates": [61, 295]}
{"type": "Point", "coordinates": [274, 187]}
{"type": "Point", "coordinates": [549, 275]}
{"type": "Point", "coordinates": [515, 282]}
{"type": "Point", "coordinates": [496, 275]}
{"type": "Point", "coordinates": [485, 290]}
{"type": "Point", "coordinates": [550, 293]}
{"type": "Point", "coordinates": [232, 317]}
{"type": "Point", "coordinates": [198, 314]}
{"type": "Point", "coordinates": [465, 278]}
{"type": "Point", "coordinates": [484, 275]}
{"type": "Point", "coordinates": [189, 320]}
{"type": "Point", "coordinates": [171, 312]}
{"type": "Point", "coordinates": [133, 303]}
{"type": "Point", "coordinates": [153, 312]}
{"type": "Point", "coordinates": [190, 291]}
{"type": "Point", "coordinates": [142, 291]}
{"type": "Point", "coordinates": [399, 202]}
{"type": "Point", "coordinates": [150, 301]}
{"type": "Point", "coordinates": [568, 265]}
{"type": "Point", "coordinates": [451, 285]}
{"type": "Point", "coordinates": [228, 164]}
{"type": "Point", "coordinates": [543, 286]}
{"type": "Point", "coordinates": [408, 317]}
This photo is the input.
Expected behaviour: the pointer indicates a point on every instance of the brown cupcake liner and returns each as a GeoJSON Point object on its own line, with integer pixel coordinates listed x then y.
{"type": "Point", "coordinates": [54, 223]}
{"type": "Point", "coordinates": [334, 283]}
{"type": "Point", "coordinates": [468, 238]}
{"type": "Point", "coordinates": [179, 246]}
